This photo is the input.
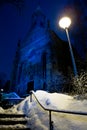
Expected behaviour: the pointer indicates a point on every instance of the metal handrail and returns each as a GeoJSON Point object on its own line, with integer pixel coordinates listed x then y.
{"type": "Point", "coordinates": [53, 110]}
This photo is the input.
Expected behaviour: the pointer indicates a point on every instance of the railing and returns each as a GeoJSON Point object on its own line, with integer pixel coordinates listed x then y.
{"type": "Point", "coordinates": [52, 110]}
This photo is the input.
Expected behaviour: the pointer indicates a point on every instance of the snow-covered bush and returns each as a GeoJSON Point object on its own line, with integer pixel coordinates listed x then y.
{"type": "Point", "coordinates": [79, 83]}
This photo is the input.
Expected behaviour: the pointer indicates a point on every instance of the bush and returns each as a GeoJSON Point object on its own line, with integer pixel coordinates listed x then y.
{"type": "Point", "coordinates": [79, 84]}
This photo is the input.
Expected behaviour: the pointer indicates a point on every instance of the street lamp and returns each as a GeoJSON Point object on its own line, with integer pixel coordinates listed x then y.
{"type": "Point", "coordinates": [65, 23]}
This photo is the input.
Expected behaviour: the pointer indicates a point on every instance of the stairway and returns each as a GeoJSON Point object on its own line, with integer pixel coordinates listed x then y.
{"type": "Point", "coordinates": [13, 122]}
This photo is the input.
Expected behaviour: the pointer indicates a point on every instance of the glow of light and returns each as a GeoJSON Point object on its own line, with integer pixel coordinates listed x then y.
{"type": "Point", "coordinates": [65, 22]}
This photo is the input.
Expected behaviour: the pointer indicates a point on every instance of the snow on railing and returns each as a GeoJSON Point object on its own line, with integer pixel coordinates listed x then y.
{"type": "Point", "coordinates": [53, 110]}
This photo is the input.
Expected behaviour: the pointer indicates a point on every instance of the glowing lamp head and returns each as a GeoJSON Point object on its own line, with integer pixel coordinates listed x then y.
{"type": "Point", "coordinates": [65, 22]}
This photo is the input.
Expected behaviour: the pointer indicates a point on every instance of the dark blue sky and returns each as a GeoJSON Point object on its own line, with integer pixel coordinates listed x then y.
{"type": "Point", "coordinates": [14, 26]}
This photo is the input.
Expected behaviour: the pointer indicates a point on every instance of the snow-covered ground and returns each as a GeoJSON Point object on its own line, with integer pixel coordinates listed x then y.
{"type": "Point", "coordinates": [38, 119]}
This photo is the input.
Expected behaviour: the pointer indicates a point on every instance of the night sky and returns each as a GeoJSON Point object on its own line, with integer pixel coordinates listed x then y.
{"type": "Point", "coordinates": [15, 25]}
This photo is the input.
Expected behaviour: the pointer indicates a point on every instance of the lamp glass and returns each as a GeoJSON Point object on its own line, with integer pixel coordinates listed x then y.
{"type": "Point", "coordinates": [65, 22]}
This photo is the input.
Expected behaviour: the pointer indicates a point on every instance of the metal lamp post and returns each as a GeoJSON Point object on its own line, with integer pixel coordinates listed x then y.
{"type": "Point", "coordinates": [65, 23]}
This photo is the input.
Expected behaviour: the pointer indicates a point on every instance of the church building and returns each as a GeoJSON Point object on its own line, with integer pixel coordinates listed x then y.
{"type": "Point", "coordinates": [41, 60]}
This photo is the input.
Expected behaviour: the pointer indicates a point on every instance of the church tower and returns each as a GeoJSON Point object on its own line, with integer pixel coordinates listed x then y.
{"type": "Point", "coordinates": [40, 58]}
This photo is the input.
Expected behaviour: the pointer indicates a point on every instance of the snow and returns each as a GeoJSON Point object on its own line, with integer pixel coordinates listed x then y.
{"type": "Point", "coordinates": [54, 100]}
{"type": "Point", "coordinates": [38, 118]}
{"type": "Point", "coordinates": [1, 110]}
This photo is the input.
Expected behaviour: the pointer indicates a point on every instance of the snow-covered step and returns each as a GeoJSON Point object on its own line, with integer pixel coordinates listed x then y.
{"type": "Point", "coordinates": [14, 127]}
{"type": "Point", "coordinates": [13, 122]}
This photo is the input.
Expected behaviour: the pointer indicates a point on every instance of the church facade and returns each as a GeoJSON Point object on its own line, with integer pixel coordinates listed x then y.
{"type": "Point", "coordinates": [41, 59]}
